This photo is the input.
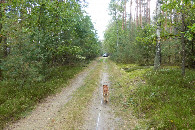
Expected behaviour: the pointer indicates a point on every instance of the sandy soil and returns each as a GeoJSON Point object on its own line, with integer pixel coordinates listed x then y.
{"type": "Point", "coordinates": [45, 111]}
{"type": "Point", "coordinates": [100, 115]}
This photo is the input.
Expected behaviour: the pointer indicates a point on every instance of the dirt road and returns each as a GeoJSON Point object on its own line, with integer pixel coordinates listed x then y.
{"type": "Point", "coordinates": [50, 107]}
{"type": "Point", "coordinates": [98, 115]}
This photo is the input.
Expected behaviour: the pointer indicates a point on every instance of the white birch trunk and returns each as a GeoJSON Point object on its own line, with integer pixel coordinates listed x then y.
{"type": "Point", "coordinates": [125, 14]}
{"type": "Point", "coordinates": [183, 40]}
{"type": "Point", "coordinates": [157, 59]}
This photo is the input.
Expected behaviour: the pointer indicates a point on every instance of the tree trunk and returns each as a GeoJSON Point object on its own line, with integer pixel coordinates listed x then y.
{"type": "Point", "coordinates": [157, 59]}
{"type": "Point", "coordinates": [149, 11]}
{"type": "Point", "coordinates": [1, 37]}
{"type": "Point", "coordinates": [130, 11]}
{"type": "Point", "coordinates": [130, 19]}
{"type": "Point", "coordinates": [116, 28]}
{"type": "Point", "coordinates": [125, 15]}
{"type": "Point", "coordinates": [183, 41]}
{"type": "Point", "coordinates": [193, 53]}
{"type": "Point", "coordinates": [137, 13]}
{"type": "Point", "coordinates": [140, 12]}
{"type": "Point", "coordinates": [175, 30]}
{"type": "Point", "coordinates": [170, 31]}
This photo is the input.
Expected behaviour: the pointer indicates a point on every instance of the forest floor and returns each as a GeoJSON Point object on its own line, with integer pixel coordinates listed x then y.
{"type": "Point", "coordinates": [78, 106]}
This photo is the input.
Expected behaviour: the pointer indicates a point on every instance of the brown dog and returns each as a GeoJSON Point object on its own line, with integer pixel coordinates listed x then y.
{"type": "Point", "coordinates": [105, 93]}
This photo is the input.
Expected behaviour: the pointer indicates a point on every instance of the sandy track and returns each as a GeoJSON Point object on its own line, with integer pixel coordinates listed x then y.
{"type": "Point", "coordinates": [100, 115]}
{"type": "Point", "coordinates": [45, 111]}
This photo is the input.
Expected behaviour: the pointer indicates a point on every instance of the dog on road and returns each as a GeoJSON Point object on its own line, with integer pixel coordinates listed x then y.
{"type": "Point", "coordinates": [105, 93]}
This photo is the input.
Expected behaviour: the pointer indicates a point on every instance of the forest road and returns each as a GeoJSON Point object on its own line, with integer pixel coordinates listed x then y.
{"type": "Point", "coordinates": [49, 108]}
{"type": "Point", "coordinates": [100, 115]}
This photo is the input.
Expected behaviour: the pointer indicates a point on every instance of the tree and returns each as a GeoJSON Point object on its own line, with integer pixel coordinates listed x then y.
{"type": "Point", "coordinates": [44, 34]}
{"type": "Point", "coordinates": [2, 37]}
{"type": "Point", "coordinates": [182, 13]}
{"type": "Point", "coordinates": [157, 59]}
{"type": "Point", "coordinates": [137, 21]}
{"type": "Point", "coordinates": [140, 13]}
{"type": "Point", "coordinates": [174, 31]}
{"type": "Point", "coordinates": [182, 39]}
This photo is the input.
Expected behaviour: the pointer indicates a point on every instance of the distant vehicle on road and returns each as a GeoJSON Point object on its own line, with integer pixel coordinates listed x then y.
{"type": "Point", "coordinates": [105, 55]}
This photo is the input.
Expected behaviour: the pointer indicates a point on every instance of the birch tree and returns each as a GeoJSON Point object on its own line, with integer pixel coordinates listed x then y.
{"type": "Point", "coordinates": [125, 14]}
{"type": "Point", "coordinates": [157, 59]}
{"type": "Point", "coordinates": [140, 12]}
{"type": "Point", "coordinates": [183, 39]}
{"type": "Point", "coordinates": [136, 8]}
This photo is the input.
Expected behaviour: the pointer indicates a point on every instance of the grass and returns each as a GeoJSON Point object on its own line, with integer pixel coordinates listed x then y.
{"type": "Point", "coordinates": [167, 99]}
{"type": "Point", "coordinates": [72, 115]}
{"type": "Point", "coordinates": [123, 84]}
{"type": "Point", "coordinates": [16, 101]}
{"type": "Point", "coordinates": [159, 99]}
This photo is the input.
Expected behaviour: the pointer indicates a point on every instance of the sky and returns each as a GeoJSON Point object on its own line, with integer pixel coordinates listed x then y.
{"type": "Point", "coordinates": [98, 10]}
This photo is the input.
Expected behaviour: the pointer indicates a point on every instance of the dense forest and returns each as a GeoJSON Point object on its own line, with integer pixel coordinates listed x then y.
{"type": "Point", "coordinates": [38, 41]}
{"type": "Point", "coordinates": [37, 35]}
{"type": "Point", "coordinates": [135, 39]}
{"type": "Point", "coordinates": [158, 57]}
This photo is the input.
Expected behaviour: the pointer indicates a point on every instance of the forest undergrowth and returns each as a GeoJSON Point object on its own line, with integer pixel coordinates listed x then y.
{"type": "Point", "coordinates": [160, 99]}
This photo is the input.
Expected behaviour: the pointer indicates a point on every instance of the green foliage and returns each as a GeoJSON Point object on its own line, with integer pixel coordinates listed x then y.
{"type": "Point", "coordinates": [171, 29]}
{"type": "Point", "coordinates": [131, 43]}
{"type": "Point", "coordinates": [40, 42]}
{"type": "Point", "coordinates": [190, 32]}
{"type": "Point", "coordinates": [41, 34]}
{"type": "Point", "coordinates": [136, 43]}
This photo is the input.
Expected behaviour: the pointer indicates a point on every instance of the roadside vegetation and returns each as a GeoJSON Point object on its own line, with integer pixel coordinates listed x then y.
{"type": "Point", "coordinates": [17, 101]}
{"type": "Point", "coordinates": [167, 99]}
{"type": "Point", "coordinates": [42, 45]}
{"type": "Point", "coordinates": [160, 99]}
{"type": "Point", "coordinates": [73, 112]}
{"type": "Point", "coordinates": [155, 61]}
{"type": "Point", "coordinates": [124, 85]}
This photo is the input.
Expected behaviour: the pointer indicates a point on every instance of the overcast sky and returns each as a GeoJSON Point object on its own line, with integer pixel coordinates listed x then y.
{"type": "Point", "coordinates": [98, 10]}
